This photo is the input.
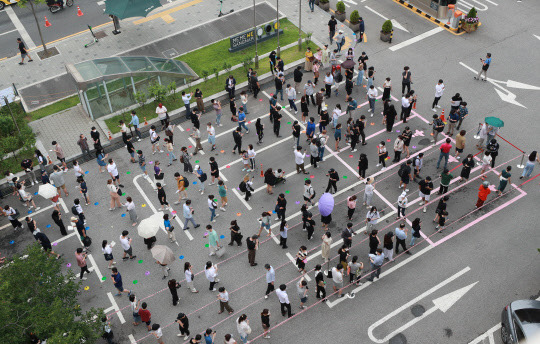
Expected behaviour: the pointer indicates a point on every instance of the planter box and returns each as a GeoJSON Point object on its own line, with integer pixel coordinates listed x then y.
{"type": "Point", "coordinates": [385, 37]}
{"type": "Point", "coordinates": [341, 16]}
{"type": "Point", "coordinates": [469, 27]}
{"type": "Point", "coordinates": [324, 6]}
{"type": "Point", "coordinates": [354, 27]}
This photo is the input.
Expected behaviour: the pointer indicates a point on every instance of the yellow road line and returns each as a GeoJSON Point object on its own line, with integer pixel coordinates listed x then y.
{"type": "Point", "coordinates": [166, 15]}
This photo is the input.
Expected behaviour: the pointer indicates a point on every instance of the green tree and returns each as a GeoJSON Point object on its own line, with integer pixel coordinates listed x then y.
{"type": "Point", "coordinates": [340, 7]}
{"type": "Point", "coordinates": [387, 26]}
{"type": "Point", "coordinates": [140, 97]}
{"type": "Point", "coordinates": [35, 297]}
{"type": "Point", "coordinates": [171, 88]}
{"type": "Point", "coordinates": [355, 17]}
{"type": "Point", "coordinates": [23, 3]}
{"type": "Point", "coordinates": [157, 91]}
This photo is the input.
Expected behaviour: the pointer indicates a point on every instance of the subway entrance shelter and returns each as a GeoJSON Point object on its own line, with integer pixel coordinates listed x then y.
{"type": "Point", "coordinates": [109, 85]}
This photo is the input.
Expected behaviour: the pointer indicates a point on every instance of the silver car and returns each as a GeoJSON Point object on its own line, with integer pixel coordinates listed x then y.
{"type": "Point", "coordinates": [520, 322]}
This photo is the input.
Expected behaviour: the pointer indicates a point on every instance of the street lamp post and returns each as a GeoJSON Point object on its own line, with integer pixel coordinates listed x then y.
{"type": "Point", "coordinates": [255, 31]}
{"type": "Point", "coordinates": [277, 23]}
{"type": "Point", "coordinates": [12, 117]}
{"type": "Point", "coordinates": [299, 25]}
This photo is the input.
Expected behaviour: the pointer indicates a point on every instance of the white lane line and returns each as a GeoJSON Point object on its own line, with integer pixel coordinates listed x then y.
{"type": "Point", "coordinates": [132, 339]}
{"type": "Point", "coordinates": [64, 237]}
{"type": "Point", "coordinates": [180, 127]}
{"type": "Point", "coordinates": [32, 214]}
{"type": "Point", "coordinates": [116, 308]}
{"type": "Point", "coordinates": [384, 274]}
{"type": "Point", "coordinates": [234, 127]}
{"type": "Point", "coordinates": [63, 204]}
{"type": "Point", "coordinates": [10, 31]}
{"type": "Point", "coordinates": [293, 260]}
{"type": "Point", "coordinates": [195, 144]}
{"type": "Point", "coordinates": [491, 2]}
{"type": "Point", "coordinates": [480, 6]}
{"type": "Point", "coordinates": [154, 210]}
{"type": "Point", "coordinates": [241, 198]}
{"type": "Point", "coordinates": [96, 268]}
{"type": "Point", "coordinates": [288, 138]}
{"type": "Point", "coordinates": [394, 22]}
{"type": "Point", "coordinates": [416, 39]}
{"type": "Point", "coordinates": [487, 334]}
{"type": "Point", "coordinates": [20, 27]}
{"type": "Point", "coordinates": [108, 310]}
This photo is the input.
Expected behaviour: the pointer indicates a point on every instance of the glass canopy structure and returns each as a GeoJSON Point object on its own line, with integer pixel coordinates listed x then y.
{"type": "Point", "coordinates": [109, 85]}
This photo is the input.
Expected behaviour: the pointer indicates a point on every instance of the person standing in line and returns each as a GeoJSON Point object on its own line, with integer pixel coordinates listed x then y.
{"type": "Point", "coordinates": [352, 105]}
{"type": "Point", "coordinates": [158, 333]}
{"type": "Point", "coordinates": [406, 81]}
{"type": "Point", "coordinates": [383, 154]}
{"type": "Point", "coordinates": [402, 205]}
{"type": "Point", "coordinates": [161, 111]}
{"type": "Point", "coordinates": [323, 139]}
{"type": "Point", "coordinates": [213, 242]}
{"type": "Point", "coordinates": [57, 218]}
{"type": "Point", "coordinates": [453, 118]}
{"type": "Point", "coordinates": [135, 306]}
{"type": "Point", "coordinates": [83, 145]}
{"type": "Point", "coordinates": [362, 165]}
{"type": "Point", "coordinates": [401, 236]}
{"type": "Point", "coordinates": [529, 166]}
{"type": "Point", "coordinates": [154, 139]}
{"type": "Point", "coordinates": [460, 142]}
{"type": "Point", "coordinates": [216, 104]}
{"type": "Point", "coordinates": [242, 325]}
{"type": "Point", "coordinates": [308, 66]}
{"type": "Point", "coordinates": [162, 197]}
{"type": "Point", "coordinates": [351, 206]}
{"type": "Point", "coordinates": [504, 179]}
{"type": "Point", "coordinates": [236, 236]}
{"type": "Point", "coordinates": [81, 262]}
{"type": "Point", "coordinates": [398, 148]}
{"type": "Point", "coordinates": [416, 231]}
{"type": "Point", "coordinates": [347, 235]}
{"type": "Point", "coordinates": [291, 97]}
{"type": "Point", "coordinates": [125, 241]}
{"type": "Point", "coordinates": [439, 90]}
{"type": "Point", "coordinates": [406, 174]}
{"type": "Point", "coordinates": [333, 178]}
{"type": "Point", "coordinates": [486, 163]}
{"type": "Point", "coordinates": [277, 116]}
{"type": "Point", "coordinates": [493, 149]}
{"type": "Point", "coordinates": [142, 163]}
{"type": "Point", "coordinates": [425, 187]}
{"type": "Point", "coordinates": [183, 325]}
{"type": "Point", "coordinates": [237, 138]}
{"type": "Point", "coordinates": [377, 261]}
{"type": "Point", "coordinates": [321, 284]}
{"type": "Point", "coordinates": [270, 279]}
{"type": "Point", "coordinates": [441, 207]}
{"type": "Point", "coordinates": [355, 271]}
{"type": "Point", "coordinates": [388, 246]}
{"type": "Point", "coordinates": [368, 192]}
{"type": "Point", "coordinates": [302, 289]}
{"type": "Point", "coordinates": [259, 127]}
{"type": "Point", "coordinates": [135, 123]}
{"type": "Point", "coordinates": [107, 253]}
{"type": "Point", "coordinates": [57, 178]}
{"type": "Point", "coordinates": [296, 129]}
{"type": "Point", "coordinates": [146, 316]}
{"type": "Point", "coordinates": [372, 94]}
{"type": "Point", "coordinates": [328, 82]}
{"type": "Point", "coordinates": [309, 90]}
{"type": "Point", "coordinates": [255, 84]}
{"type": "Point", "coordinates": [446, 177]}
{"type": "Point", "coordinates": [444, 152]}
{"type": "Point", "coordinates": [337, 135]}
{"type": "Point", "coordinates": [209, 336]}
{"type": "Point", "coordinates": [299, 156]}
{"type": "Point", "coordinates": [184, 159]}
{"type": "Point", "coordinates": [332, 23]}
{"type": "Point", "coordinates": [230, 86]}
{"type": "Point", "coordinates": [438, 127]}
{"type": "Point", "coordinates": [212, 206]}
{"type": "Point", "coordinates": [463, 113]}
{"type": "Point", "coordinates": [418, 162]}
{"type": "Point", "coordinates": [223, 297]}
{"type": "Point", "coordinates": [483, 192]}
{"type": "Point", "coordinates": [278, 82]}
{"type": "Point", "coordinates": [374, 241]}
{"type": "Point", "coordinates": [361, 124]}
{"type": "Point", "coordinates": [252, 244]}
{"type": "Point", "coordinates": [265, 320]}
{"type": "Point", "coordinates": [188, 211]}
{"type": "Point", "coordinates": [222, 190]}
{"type": "Point", "coordinates": [281, 207]}
{"type": "Point", "coordinates": [283, 229]}
{"type": "Point", "coordinates": [211, 273]}
{"type": "Point", "coordinates": [24, 52]}
{"type": "Point", "coordinates": [188, 273]}
{"type": "Point", "coordinates": [196, 340]}
{"type": "Point", "coordinates": [211, 135]}
{"type": "Point", "coordinates": [284, 301]}
{"type": "Point", "coordinates": [301, 259]}
{"type": "Point", "coordinates": [319, 100]}
{"type": "Point", "coordinates": [389, 117]}
{"type": "Point", "coordinates": [168, 227]}
{"type": "Point", "coordinates": [186, 98]}
{"type": "Point", "coordinates": [118, 284]}
{"type": "Point", "coordinates": [372, 217]}
{"type": "Point", "coordinates": [113, 172]}
{"type": "Point", "coordinates": [337, 278]}
{"type": "Point", "coordinates": [485, 66]}
{"type": "Point", "coordinates": [130, 208]}
{"type": "Point", "coordinates": [113, 192]}
{"type": "Point", "coordinates": [107, 330]}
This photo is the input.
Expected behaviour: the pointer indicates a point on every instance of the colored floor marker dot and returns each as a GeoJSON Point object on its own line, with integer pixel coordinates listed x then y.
{"type": "Point", "coordinates": [123, 194]}
{"type": "Point", "coordinates": [123, 215]}
{"type": "Point", "coordinates": [128, 172]}
{"type": "Point", "coordinates": [306, 178]}
{"type": "Point", "coordinates": [190, 146]}
{"type": "Point", "coordinates": [413, 147]}
{"type": "Point", "coordinates": [11, 242]}
{"type": "Point", "coordinates": [288, 122]}
{"type": "Point", "coordinates": [287, 191]}
{"type": "Point", "coordinates": [140, 261]}
{"type": "Point", "coordinates": [167, 154]}
{"type": "Point", "coordinates": [181, 257]}
{"type": "Point", "coordinates": [222, 236]}
{"type": "Point", "coordinates": [196, 161]}
{"type": "Point", "coordinates": [271, 94]}
{"type": "Point", "coordinates": [215, 200]}
{"type": "Point", "coordinates": [297, 202]}
{"type": "Point", "coordinates": [35, 193]}
{"type": "Point", "coordinates": [194, 183]}
{"type": "Point", "coordinates": [273, 211]}
{"type": "Point", "coordinates": [150, 162]}
{"type": "Point", "coordinates": [173, 212]}
{"type": "Point", "coordinates": [387, 140]}
{"type": "Point", "coordinates": [147, 273]}
{"type": "Point", "coordinates": [86, 172]}
{"type": "Point", "coordinates": [238, 188]}
{"type": "Point", "coordinates": [87, 288]}
{"type": "Point", "coordinates": [222, 151]}
{"type": "Point", "coordinates": [344, 177]}
{"type": "Point", "coordinates": [228, 166]}
{"type": "Point", "coordinates": [143, 205]}
{"type": "Point", "coordinates": [238, 214]}
{"type": "Point", "coordinates": [68, 265]}
{"type": "Point", "coordinates": [135, 282]}
{"type": "Point", "coordinates": [308, 155]}
{"type": "Point", "coordinates": [397, 131]}
{"type": "Point", "coordinates": [350, 156]}
{"type": "Point", "coordinates": [54, 243]}
{"type": "Point", "coordinates": [206, 245]}
{"type": "Point", "coordinates": [187, 129]}
{"type": "Point", "coordinates": [249, 122]}
{"type": "Point", "coordinates": [103, 278]}
{"type": "Point", "coordinates": [312, 176]}
{"type": "Point", "coordinates": [48, 226]}
{"type": "Point", "coordinates": [372, 123]}
{"type": "Point", "coordinates": [29, 211]}
{"type": "Point", "coordinates": [260, 100]}
{"type": "Point", "coordinates": [96, 203]}
{"type": "Point", "coordinates": [388, 158]}
{"type": "Point", "coordinates": [205, 233]}
{"type": "Point", "coordinates": [87, 228]}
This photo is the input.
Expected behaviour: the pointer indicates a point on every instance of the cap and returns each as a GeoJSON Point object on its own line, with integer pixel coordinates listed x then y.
{"type": "Point", "coordinates": [340, 31]}
{"type": "Point", "coordinates": [486, 184]}
{"type": "Point", "coordinates": [196, 167]}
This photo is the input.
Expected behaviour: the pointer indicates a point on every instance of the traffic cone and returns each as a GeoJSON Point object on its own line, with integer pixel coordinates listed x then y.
{"type": "Point", "coordinates": [49, 158]}
{"type": "Point", "coordinates": [145, 122]}
{"type": "Point", "coordinates": [110, 136]}
{"type": "Point", "coordinates": [47, 23]}
{"type": "Point", "coordinates": [262, 174]}
{"type": "Point", "coordinates": [414, 106]}
{"type": "Point", "coordinates": [79, 12]}
{"type": "Point", "coordinates": [442, 116]}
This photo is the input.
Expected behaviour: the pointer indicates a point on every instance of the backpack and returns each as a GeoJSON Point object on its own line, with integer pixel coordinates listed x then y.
{"type": "Point", "coordinates": [338, 77]}
{"type": "Point", "coordinates": [243, 186]}
{"type": "Point", "coordinates": [182, 158]}
{"type": "Point", "coordinates": [414, 162]}
{"type": "Point", "coordinates": [186, 182]}
{"type": "Point", "coordinates": [74, 210]}
{"type": "Point", "coordinates": [440, 128]}
{"type": "Point", "coordinates": [318, 142]}
{"type": "Point", "coordinates": [401, 169]}
{"type": "Point", "coordinates": [203, 177]}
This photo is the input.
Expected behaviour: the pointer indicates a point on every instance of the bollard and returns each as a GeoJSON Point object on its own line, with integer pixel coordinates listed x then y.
{"type": "Point", "coordinates": [110, 136]}
{"type": "Point", "coordinates": [521, 163]}
{"type": "Point", "coordinates": [262, 174]}
{"type": "Point", "coordinates": [391, 35]}
{"type": "Point", "coordinates": [145, 122]}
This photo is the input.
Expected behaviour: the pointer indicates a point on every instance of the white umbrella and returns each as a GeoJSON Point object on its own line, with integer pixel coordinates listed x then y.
{"type": "Point", "coordinates": [150, 226]}
{"type": "Point", "coordinates": [163, 254]}
{"type": "Point", "coordinates": [47, 191]}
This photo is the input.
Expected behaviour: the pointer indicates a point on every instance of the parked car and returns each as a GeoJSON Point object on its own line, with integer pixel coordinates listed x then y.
{"type": "Point", "coordinates": [520, 322]}
{"type": "Point", "coordinates": [3, 3]}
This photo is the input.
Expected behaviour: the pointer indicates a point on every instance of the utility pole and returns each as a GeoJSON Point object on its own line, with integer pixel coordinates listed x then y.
{"type": "Point", "coordinates": [299, 25]}
{"type": "Point", "coordinates": [38, 27]}
{"type": "Point", "coordinates": [277, 24]}
{"type": "Point", "coordinates": [255, 31]}
{"type": "Point", "coordinates": [12, 117]}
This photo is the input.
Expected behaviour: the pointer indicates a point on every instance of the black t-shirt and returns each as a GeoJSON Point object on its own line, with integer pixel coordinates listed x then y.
{"type": "Point", "coordinates": [280, 65]}
{"type": "Point", "coordinates": [363, 58]}
{"type": "Point", "coordinates": [236, 136]}
{"type": "Point", "coordinates": [319, 277]}
{"type": "Point", "coordinates": [325, 118]}
{"type": "Point", "coordinates": [441, 206]}
{"type": "Point", "coordinates": [272, 57]}
{"type": "Point", "coordinates": [250, 244]}
{"type": "Point", "coordinates": [282, 203]}
{"type": "Point", "coordinates": [254, 80]}
{"type": "Point", "coordinates": [198, 94]}
{"type": "Point", "coordinates": [343, 255]}
{"type": "Point", "coordinates": [278, 83]}
{"type": "Point", "coordinates": [277, 117]}
{"type": "Point", "coordinates": [304, 107]}
{"type": "Point", "coordinates": [214, 167]}
{"type": "Point", "coordinates": [424, 187]}
{"type": "Point", "coordinates": [26, 164]}
{"type": "Point", "coordinates": [265, 319]}
{"type": "Point", "coordinates": [182, 317]}
{"type": "Point", "coordinates": [161, 194]}
{"type": "Point", "coordinates": [296, 130]}
{"type": "Point", "coordinates": [334, 175]}
{"type": "Point", "coordinates": [22, 48]}
{"type": "Point", "coordinates": [298, 75]}
{"type": "Point", "coordinates": [130, 147]}
{"type": "Point", "coordinates": [332, 23]}
{"type": "Point", "coordinates": [406, 171]}
{"type": "Point", "coordinates": [348, 85]}
{"type": "Point", "coordinates": [310, 224]}
{"type": "Point", "coordinates": [44, 241]}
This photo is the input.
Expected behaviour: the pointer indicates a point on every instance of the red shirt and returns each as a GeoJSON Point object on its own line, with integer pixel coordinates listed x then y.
{"type": "Point", "coordinates": [483, 192]}
{"type": "Point", "coordinates": [145, 314]}
{"type": "Point", "coordinates": [445, 147]}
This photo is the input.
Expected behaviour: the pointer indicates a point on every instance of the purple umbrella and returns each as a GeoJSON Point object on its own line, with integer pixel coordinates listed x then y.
{"type": "Point", "coordinates": [326, 204]}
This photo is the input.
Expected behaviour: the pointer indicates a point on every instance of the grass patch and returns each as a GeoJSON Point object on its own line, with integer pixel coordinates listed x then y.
{"type": "Point", "coordinates": [53, 108]}
{"type": "Point", "coordinates": [208, 87]}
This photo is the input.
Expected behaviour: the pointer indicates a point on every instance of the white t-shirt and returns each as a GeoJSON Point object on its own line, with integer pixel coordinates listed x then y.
{"type": "Point", "coordinates": [439, 89]}
{"type": "Point", "coordinates": [486, 160]}
{"type": "Point", "coordinates": [158, 332]}
{"type": "Point", "coordinates": [161, 112]}
{"type": "Point", "coordinates": [211, 204]}
{"type": "Point", "coordinates": [337, 276]}
{"type": "Point", "coordinates": [282, 295]}
{"type": "Point", "coordinates": [211, 131]}
{"type": "Point", "coordinates": [78, 170]}
{"type": "Point", "coordinates": [372, 93]}
{"type": "Point", "coordinates": [112, 169]}
{"type": "Point", "coordinates": [405, 102]}
{"type": "Point", "coordinates": [299, 157]}
{"type": "Point", "coordinates": [210, 274]}
{"type": "Point", "coordinates": [107, 249]}
{"type": "Point", "coordinates": [153, 135]}
{"type": "Point", "coordinates": [187, 275]}
{"type": "Point", "coordinates": [125, 243]}
{"type": "Point", "coordinates": [251, 153]}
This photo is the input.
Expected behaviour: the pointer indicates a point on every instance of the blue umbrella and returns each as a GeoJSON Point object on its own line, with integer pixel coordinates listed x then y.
{"type": "Point", "coordinates": [326, 204]}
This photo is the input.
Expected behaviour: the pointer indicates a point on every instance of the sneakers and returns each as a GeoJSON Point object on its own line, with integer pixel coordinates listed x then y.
{"type": "Point", "coordinates": [438, 106]}
{"type": "Point", "coordinates": [265, 296]}
{"type": "Point", "coordinates": [222, 209]}
{"type": "Point", "coordinates": [378, 165]}
{"type": "Point", "coordinates": [434, 110]}
{"type": "Point", "coordinates": [217, 215]}
{"type": "Point", "coordinates": [424, 210]}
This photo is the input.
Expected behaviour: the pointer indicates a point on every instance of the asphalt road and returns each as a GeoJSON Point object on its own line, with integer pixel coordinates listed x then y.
{"type": "Point", "coordinates": [488, 257]}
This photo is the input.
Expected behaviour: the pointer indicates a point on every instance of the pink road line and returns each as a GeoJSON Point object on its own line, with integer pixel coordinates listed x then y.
{"type": "Point", "coordinates": [464, 228]}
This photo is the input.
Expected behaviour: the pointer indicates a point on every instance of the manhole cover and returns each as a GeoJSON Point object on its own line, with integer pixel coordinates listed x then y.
{"type": "Point", "coordinates": [418, 310]}
{"type": "Point", "coordinates": [424, 142]}
{"type": "Point", "coordinates": [398, 339]}
{"type": "Point", "coordinates": [101, 34]}
{"type": "Point", "coordinates": [170, 53]}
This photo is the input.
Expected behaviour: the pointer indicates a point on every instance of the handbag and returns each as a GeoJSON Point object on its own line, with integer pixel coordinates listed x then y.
{"type": "Point", "coordinates": [160, 176]}
{"type": "Point", "coordinates": [108, 256]}
{"type": "Point", "coordinates": [16, 215]}
{"type": "Point", "coordinates": [220, 251]}
{"type": "Point", "coordinates": [171, 228]}
{"type": "Point", "coordinates": [87, 241]}
{"type": "Point", "coordinates": [119, 192]}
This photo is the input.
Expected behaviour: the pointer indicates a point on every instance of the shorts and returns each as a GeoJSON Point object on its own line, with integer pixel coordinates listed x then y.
{"type": "Point", "coordinates": [23, 54]}
{"type": "Point", "coordinates": [143, 168]}
{"type": "Point", "coordinates": [129, 251]}
{"type": "Point", "coordinates": [405, 180]}
{"type": "Point", "coordinates": [421, 195]}
{"type": "Point", "coordinates": [62, 159]}
{"type": "Point", "coordinates": [47, 247]}
{"type": "Point", "coordinates": [117, 177]}
{"type": "Point", "coordinates": [132, 154]}
{"type": "Point", "coordinates": [303, 299]}
{"type": "Point", "coordinates": [63, 186]}
{"type": "Point", "coordinates": [148, 322]}
{"type": "Point", "coordinates": [265, 327]}
{"type": "Point", "coordinates": [224, 199]}
{"type": "Point", "coordinates": [136, 317]}
{"type": "Point", "coordinates": [338, 284]}
{"type": "Point", "coordinates": [485, 167]}
{"type": "Point", "coordinates": [215, 175]}
{"type": "Point", "coordinates": [459, 150]}
{"type": "Point", "coordinates": [212, 140]}
{"type": "Point", "coordinates": [120, 289]}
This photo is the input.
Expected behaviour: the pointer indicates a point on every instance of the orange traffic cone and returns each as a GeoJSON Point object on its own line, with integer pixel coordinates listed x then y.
{"type": "Point", "coordinates": [442, 116]}
{"type": "Point", "coordinates": [262, 174]}
{"type": "Point", "coordinates": [49, 158]}
{"type": "Point", "coordinates": [110, 136]}
{"type": "Point", "coordinates": [145, 122]}
{"type": "Point", "coordinates": [47, 23]}
{"type": "Point", "coordinates": [79, 12]}
{"type": "Point", "coordinates": [414, 106]}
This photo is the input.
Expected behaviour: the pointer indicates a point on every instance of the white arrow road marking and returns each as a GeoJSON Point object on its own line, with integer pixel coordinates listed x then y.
{"type": "Point", "coordinates": [350, 2]}
{"type": "Point", "coordinates": [516, 84]}
{"type": "Point", "coordinates": [416, 38]}
{"type": "Point", "coordinates": [537, 36]}
{"type": "Point", "coordinates": [394, 22]}
{"type": "Point", "coordinates": [509, 98]}
{"type": "Point", "coordinates": [480, 5]}
{"type": "Point", "coordinates": [443, 303]}
{"type": "Point", "coordinates": [491, 2]}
